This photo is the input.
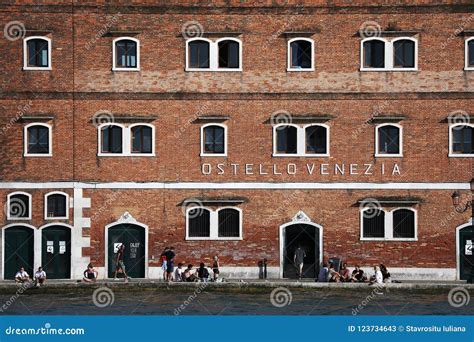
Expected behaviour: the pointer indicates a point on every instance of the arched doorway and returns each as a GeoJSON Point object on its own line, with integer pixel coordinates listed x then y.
{"type": "Point", "coordinates": [465, 250]}
{"type": "Point", "coordinates": [18, 250]}
{"type": "Point", "coordinates": [56, 251]}
{"type": "Point", "coordinates": [306, 234]}
{"type": "Point", "coordinates": [133, 235]}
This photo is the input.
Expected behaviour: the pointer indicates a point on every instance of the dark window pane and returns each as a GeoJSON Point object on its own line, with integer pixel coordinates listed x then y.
{"type": "Point", "coordinates": [141, 139]}
{"type": "Point", "coordinates": [470, 53]}
{"type": "Point", "coordinates": [38, 140]}
{"type": "Point", "coordinates": [286, 139]}
{"type": "Point", "coordinates": [403, 223]}
{"type": "Point", "coordinates": [198, 54]}
{"type": "Point", "coordinates": [228, 54]}
{"type": "Point", "coordinates": [404, 54]}
{"type": "Point", "coordinates": [389, 140]}
{"type": "Point", "coordinates": [126, 54]}
{"type": "Point", "coordinates": [199, 223]}
{"type": "Point", "coordinates": [374, 54]}
{"type": "Point", "coordinates": [112, 139]}
{"type": "Point", "coordinates": [301, 54]}
{"type": "Point", "coordinates": [214, 139]}
{"type": "Point", "coordinates": [56, 206]}
{"type": "Point", "coordinates": [37, 53]}
{"type": "Point", "coordinates": [373, 223]}
{"type": "Point", "coordinates": [19, 206]}
{"type": "Point", "coordinates": [463, 140]}
{"type": "Point", "coordinates": [229, 223]}
{"type": "Point", "coordinates": [316, 138]}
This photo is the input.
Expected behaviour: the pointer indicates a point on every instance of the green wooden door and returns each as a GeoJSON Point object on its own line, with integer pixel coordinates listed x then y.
{"type": "Point", "coordinates": [466, 251]}
{"type": "Point", "coordinates": [19, 250]}
{"type": "Point", "coordinates": [133, 237]}
{"type": "Point", "coordinates": [56, 255]}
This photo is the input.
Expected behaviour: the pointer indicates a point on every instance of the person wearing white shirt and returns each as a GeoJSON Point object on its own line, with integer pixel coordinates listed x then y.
{"type": "Point", "coordinates": [40, 276]}
{"type": "Point", "coordinates": [178, 273]}
{"type": "Point", "coordinates": [21, 276]}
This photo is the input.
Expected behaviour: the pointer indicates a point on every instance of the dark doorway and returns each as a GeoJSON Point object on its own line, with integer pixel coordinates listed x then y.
{"type": "Point", "coordinates": [307, 237]}
{"type": "Point", "coordinates": [56, 252]}
{"type": "Point", "coordinates": [466, 251]}
{"type": "Point", "coordinates": [19, 250]}
{"type": "Point", "coordinates": [133, 237]}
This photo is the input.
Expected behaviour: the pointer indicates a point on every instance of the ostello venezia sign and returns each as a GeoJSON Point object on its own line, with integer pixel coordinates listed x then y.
{"type": "Point", "coordinates": [323, 169]}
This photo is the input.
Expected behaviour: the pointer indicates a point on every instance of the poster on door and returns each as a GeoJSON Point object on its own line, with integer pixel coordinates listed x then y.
{"type": "Point", "coordinates": [62, 247]}
{"type": "Point", "coordinates": [50, 247]}
{"type": "Point", "coordinates": [468, 248]}
{"type": "Point", "coordinates": [116, 247]}
{"type": "Point", "coordinates": [134, 249]}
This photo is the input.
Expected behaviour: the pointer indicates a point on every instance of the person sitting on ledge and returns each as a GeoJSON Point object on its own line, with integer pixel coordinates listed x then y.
{"type": "Point", "coordinates": [385, 274]}
{"type": "Point", "coordinates": [344, 272]}
{"type": "Point", "coordinates": [334, 276]}
{"type": "Point", "coordinates": [178, 273]}
{"type": "Point", "coordinates": [40, 277]}
{"type": "Point", "coordinates": [377, 278]}
{"type": "Point", "coordinates": [323, 275]}
{"type": "Point", "coordinates": [203, 273]}
{"type": "Point", "coordinates": [358, 275]}
{"type": "Point", "coordinates": [189, 276]}
{"type": "Point", "coordinates": [21, 276]}
{"type": "Point", "coordinates": [90, 274]}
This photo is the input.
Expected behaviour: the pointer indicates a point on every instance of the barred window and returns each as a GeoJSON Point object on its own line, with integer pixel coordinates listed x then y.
{"type": "Point", "coordinates": [112, 139]}
{"type": "Point", "coordinates": [56, 206]}
{"type": "Point", "coordinates": [462, 139]}
{"type": "Point", "coordinates": [142, 139]}
{"type": "Point", "coordinates": [38, 139]}
{"type": "Point", "coordinates": [404, 53]}
{"type": "Point", "coordinates": [373, 223]}
{"type": "Point", "coordinates": [403, 223]}
{"type": "Point", "coordinates": [316, 139]}
{"type": "Point", "coordinates": [389, 139]}
{"type": "Point", "coordinates": [300, 54]}
{"type": "Point", "coordinates": [286, 139]}
{"type": "Point", "coordinates": [199, 54]}
{"type": "Point", "coordinates": [199, 223]}
{"type": "Point", "coordinates": [229, 223]}
{"type": "Point", "coordinates": [229, 54]}
{"type": "Point", "coordinates": [374, 53]}
{"type": "Point", "coordinates": [37, 53]}
{"type": "Point", "coordinates": [126, 54]}
{"type": "Point", "coordinates": [214, 137]}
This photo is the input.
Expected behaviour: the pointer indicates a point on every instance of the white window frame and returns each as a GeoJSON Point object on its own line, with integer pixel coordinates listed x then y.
{"type": "Point", "coordinates": [25, 53]}
{"type": "Point", "coordinates": [289, 67]}
{"type": "Point", "coordinates": [204, 154]}
{"type": "Point", "coordinates": [213, 54]}
{"type": "Point", "coordinates": [388, 225]}
{"type": "Point", "coordinates": [214, 224]}
{"type": "Point", "coordinates": [50, 140]}
{"type": "Point", "coordinates": [451, 152]}
{"type": "Point", "coordinates": [466, 54]}
{"type": "Point", "coordinates": [400, 142]}
{"type": "Point", "coordinates": [134, 154]}
{"type": "Point", "coordinates": [46, 206]}
{"type": "Point", "coordinates": [125, 138]}
{"type": "Point", "coordinates": [29, 206]}
{"type": "Point", "coordinates": [114, 54]}
{"type": "Point", "coordinates": [389, 54]}
{"type": "Point", "coordinates": [300, 141]}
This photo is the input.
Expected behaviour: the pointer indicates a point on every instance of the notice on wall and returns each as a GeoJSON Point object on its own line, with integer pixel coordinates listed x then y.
{"type": "Point", "coordinates": [50, 247]}
{"type": "Point", "coordinates": [468, 248]}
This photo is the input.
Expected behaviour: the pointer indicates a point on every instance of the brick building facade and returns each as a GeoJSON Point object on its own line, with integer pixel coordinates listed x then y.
{"type": "Point", "coordinates": [279, 127]}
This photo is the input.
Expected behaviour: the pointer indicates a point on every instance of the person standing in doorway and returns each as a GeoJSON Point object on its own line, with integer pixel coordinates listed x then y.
{"type": "Point", "coordinates": [119, 264]}
{"type": "Point", "coordinates": [170, 255]}
{"type": "Point", "coordinates": [298, 259]}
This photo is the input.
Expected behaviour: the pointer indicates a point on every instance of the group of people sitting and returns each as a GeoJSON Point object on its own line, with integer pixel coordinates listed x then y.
{"type": "Point", "coordinates": [329, 273]}
{"type": "Point", "coordinates": [22, 277]}
{"type": "Point", "coordinates": [200, 274]}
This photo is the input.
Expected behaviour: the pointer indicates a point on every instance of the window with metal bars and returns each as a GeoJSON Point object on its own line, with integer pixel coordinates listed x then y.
{"type": "Point", "coordinates": [229, 223]}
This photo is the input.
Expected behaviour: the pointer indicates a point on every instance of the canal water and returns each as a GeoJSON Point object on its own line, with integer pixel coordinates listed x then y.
{"type": "Point", "coordinates": [164, 301]}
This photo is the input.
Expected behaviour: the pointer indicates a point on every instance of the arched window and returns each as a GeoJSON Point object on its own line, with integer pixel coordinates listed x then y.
{"type": "Point", "coordinates": [228, 53]}
{"type": "Point", "coordinates": [142, 139]}
{"type": "Point", "coordinates": [404, 52]}
{"type": "Point", "coordinates": [229, 222]}
{"type": "Point", "coordinates": [388, 140]}
{"type": "Point", "coordinates": [56, 205]}
{"type": "Point", "coordinates": [126, 54]}
{"type": "Point", "coordinates": [19, 206]}
{"type": "Point", "coordinates": [111, 139]}
{"type": "Point", "coordinates": [373, 223]}
{"type": "Point", "coordinates": [374, 53]}
{"type": "Point", "coordinates": [469, 54]}
{"type": "Point", "coordinates": [199, 223]}
{"type": "Point", "coordinates": [300, 54]}
{"type": "Point", "coordinates": [38, 140]}
{"type": "Point", "coordinates": [317, 139]}
{"type": "Point", "coordinates": [37, 53]}
{"type": "Point", "coordinates": [198, 54]}
{"type": "Point", "coordinates": [286, 139]}
{"type": "Point", "coordinates": [213, 140]}
{"type": "Point", "coordinates": [404, 223]}
{"type": "Point", "coordinates": [462, 140]}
